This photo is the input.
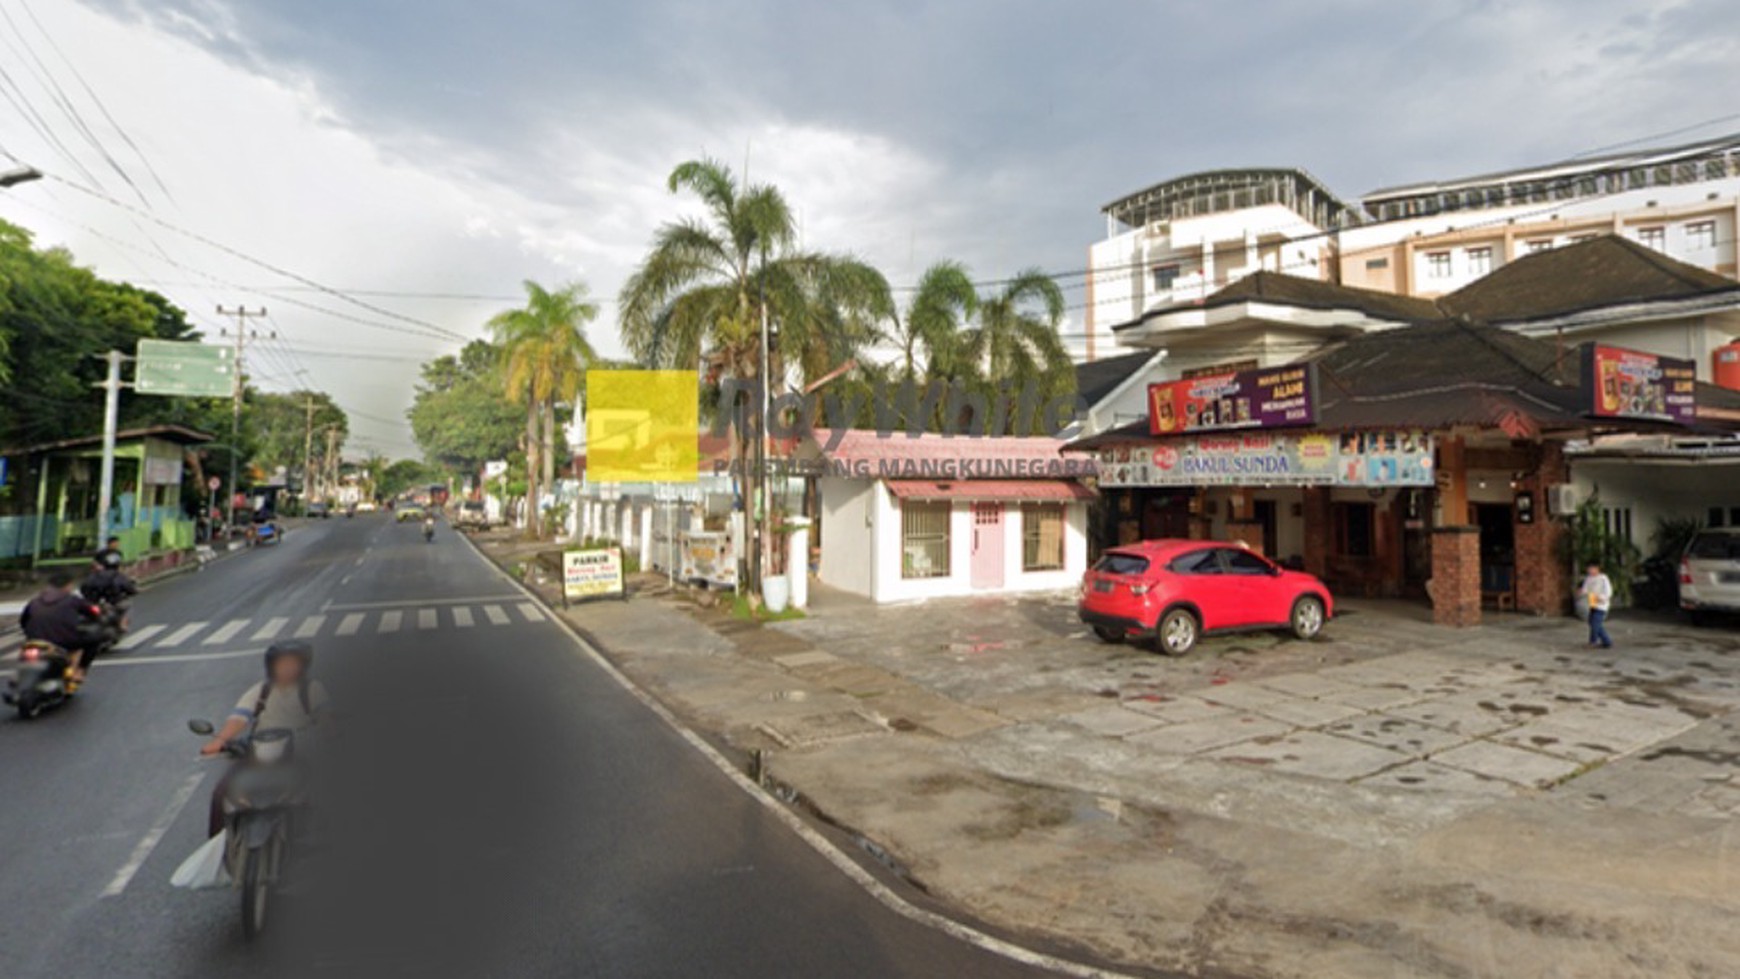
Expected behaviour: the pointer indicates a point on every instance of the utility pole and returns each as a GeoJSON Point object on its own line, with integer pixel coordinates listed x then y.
{"type": "Point", "coordinates": [242, 314]}
{"type": "Point", "coordinates": [331, 460]}
{"type": "Point", "coordinates": [111, 419]}
{"type": "Point", "coordinates": [308, 454]}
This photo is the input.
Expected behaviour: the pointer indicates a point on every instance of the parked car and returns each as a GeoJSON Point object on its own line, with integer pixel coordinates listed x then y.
{"type": "Point", "coordinates": [1175, 591]}
{"type": "Point", "coordinates": [471, 513]}
{"type": "Point", "coordinates": [319, 510]}
{"type": "Point", "coordinates": [1710, 573]}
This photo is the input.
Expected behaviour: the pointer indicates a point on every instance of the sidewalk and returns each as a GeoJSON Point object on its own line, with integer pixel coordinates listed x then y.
{"type": "Point", "coordinates": [1396, 800]}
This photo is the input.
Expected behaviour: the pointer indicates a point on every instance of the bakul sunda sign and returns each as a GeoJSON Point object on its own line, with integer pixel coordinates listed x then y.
{"type": "Point", "coordinates": [1372, 459]}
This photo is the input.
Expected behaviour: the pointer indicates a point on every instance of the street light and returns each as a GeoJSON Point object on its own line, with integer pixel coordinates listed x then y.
{"type": "Point", "coordinates": [19, 175]}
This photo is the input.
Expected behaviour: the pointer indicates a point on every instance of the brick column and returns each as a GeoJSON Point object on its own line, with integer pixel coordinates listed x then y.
{"type": "Point", "coordinates": [1455, 587]}
{"type": "Point", "coordinates": [1317, 529]}
{"type": "Point", "coordinates": [1541, 585]}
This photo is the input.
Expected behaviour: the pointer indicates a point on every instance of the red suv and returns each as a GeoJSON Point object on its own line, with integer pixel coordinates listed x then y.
{"type": "Point", "coordinates": [1176, 590]}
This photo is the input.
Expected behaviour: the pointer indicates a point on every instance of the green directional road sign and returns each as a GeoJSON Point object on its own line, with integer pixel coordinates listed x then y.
{"type": "Point", "coordinates": [181, 369]}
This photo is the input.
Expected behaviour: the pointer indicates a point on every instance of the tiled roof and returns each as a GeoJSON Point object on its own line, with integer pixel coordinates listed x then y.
{"type": "Point", "coordinates": [1605, 271]}
{"type": "Point", "coordinates": [1281, 289]}
{"type": "Point", "coordinates": [1096, 379]}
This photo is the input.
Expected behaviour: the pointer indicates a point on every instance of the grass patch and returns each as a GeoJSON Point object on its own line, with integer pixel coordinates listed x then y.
{"type": "Point", "coordinates": [740, 609]}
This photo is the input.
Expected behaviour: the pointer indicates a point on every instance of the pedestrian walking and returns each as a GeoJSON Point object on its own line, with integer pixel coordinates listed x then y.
{"type": "Point", "coordinates": [1597, 591]}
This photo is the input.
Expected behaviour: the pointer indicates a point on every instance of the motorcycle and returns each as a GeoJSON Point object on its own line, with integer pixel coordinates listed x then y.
{"type": "Point", "coordinates": [260, 799]}
{"type": "Point", "coordinates": [428, 531]}
{"type": "Point", "coordinates": [267, 533]}
{"type": "Point", "coordinates": [43, 680]}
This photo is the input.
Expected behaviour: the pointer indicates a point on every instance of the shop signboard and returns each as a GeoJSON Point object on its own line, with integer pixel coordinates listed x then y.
{"type": "Point", "coordinates": [1278, 397]}
{"type": "Point", "coordinates": [593, 573]}
{"type": "Point", "coordinates": [1622, 383]}
{"type": "Point", "coordinates": [1371, 459]}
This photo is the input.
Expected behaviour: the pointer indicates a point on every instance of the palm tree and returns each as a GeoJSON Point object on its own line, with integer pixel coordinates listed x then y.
{"type": "Point", "coordinates": [545, 355]}
{"type": "Point", "coordinates": [700, 297]}
{"type": "Point", "coordinates": [1013, 337]}
{"type": "Point", "coordinates": [944, 302]}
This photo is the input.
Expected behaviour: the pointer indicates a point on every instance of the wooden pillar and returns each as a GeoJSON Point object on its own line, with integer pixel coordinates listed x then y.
{"type": "Point", "coordinates": [1317, 529]}
{"type": "Point", "coordinates": [1542, 584]}
{"type": "Point", "coordinates": [1452, 481]}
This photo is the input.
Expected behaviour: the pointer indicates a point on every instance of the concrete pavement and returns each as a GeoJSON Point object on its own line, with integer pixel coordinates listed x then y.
{"type": "Point", "coordinates": [1397, 800]}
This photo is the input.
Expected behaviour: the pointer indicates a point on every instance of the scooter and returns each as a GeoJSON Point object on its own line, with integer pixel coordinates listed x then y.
{"type": "Point", "coordinates": [429, 531]}
{"type": "Point", "coordinates": [260, 798]}
{"type": "Point", "coordinates": [42, 682]}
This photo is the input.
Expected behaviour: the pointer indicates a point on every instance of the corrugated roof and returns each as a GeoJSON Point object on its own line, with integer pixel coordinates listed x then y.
{"type": "Point", "coordinates": [179, 434]}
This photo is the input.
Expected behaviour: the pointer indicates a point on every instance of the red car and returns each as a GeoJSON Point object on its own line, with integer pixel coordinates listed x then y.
{"type": "Point", "coordinates": [1177, 590]}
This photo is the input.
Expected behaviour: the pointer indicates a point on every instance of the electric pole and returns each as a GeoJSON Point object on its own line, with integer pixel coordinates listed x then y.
{"type": "Point", "coordinates": [242, 314]}
{"type": "Point", "coordinates": [308, 454]}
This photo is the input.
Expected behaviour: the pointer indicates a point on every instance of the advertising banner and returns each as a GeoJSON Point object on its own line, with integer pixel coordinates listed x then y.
{"type": "Point", "coordinates": [1621, 383]}
{"type": "Point", "coordinates": [1371, 459]}
{"type": "Point", "coordinates": [592, 574]}
{"type": "Point", "coordinates": [1281, 397]}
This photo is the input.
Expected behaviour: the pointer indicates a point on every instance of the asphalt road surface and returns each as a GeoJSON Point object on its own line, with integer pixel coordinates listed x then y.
{"type": "Point", "coordinates": [495, 804]}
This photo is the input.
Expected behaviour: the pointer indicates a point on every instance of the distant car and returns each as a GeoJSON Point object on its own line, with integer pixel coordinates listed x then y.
{"type": "Point", "coordinates": [1176, 591]}
{"type": "Point", "coordinates": [320, 510]}
{"type": "Point", "coordinates": [367, 506]}
{"type": "Point", "coordinates": [409, 511]}
{"type": "Point", "coordinates": [471, 513]}
{"type": "Point", "coordinates": [1710, 574]}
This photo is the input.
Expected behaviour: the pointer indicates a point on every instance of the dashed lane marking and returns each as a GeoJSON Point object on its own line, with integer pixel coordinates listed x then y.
{"type": "Point", "coordinates": [496, 615]}
{"type": "Point", "coordinates": [153, 836]}
{"type": "Point", "coordinates": [271, 629]}
{"type": "Point", "coordinates": [180, 635]}
{"type": "Point", "coordinates": [462, 617]}
{"type": "Point", "coordinates": [226, 632]}
{"type": "Point", "coordinates": [390, 621]}
{"type": "Point", "coordinates": [426, 618]}
{"type": "Point", "coordinates": [531, 612]}
{"type": "Point", "coordinates": [140, 636]}
{"type": "Point", "coordinates": [349, 625]}
{"type": "Point", "coordinates": [310, 627]}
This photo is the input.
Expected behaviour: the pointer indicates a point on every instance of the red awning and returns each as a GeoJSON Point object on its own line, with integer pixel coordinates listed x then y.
{"type": "Point", "coordinates": [1032, 490]}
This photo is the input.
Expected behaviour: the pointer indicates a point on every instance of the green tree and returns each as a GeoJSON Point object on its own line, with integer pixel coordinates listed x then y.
{"type": "Point", "coordinates": [1012, 339]}
{"type": "Point", "coordinates": [545, 356]}
{"type": "Point", "coordinates": [459, 418]}
{"type": "Point", "coordinates": [403, 474]}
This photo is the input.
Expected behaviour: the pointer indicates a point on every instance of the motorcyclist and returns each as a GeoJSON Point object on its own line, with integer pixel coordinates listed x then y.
{"type": "Point", "coordinates": [287, 698]}
{"type": "Point", "coordinates": [111, 586]}
{"type": "Point", "coordinates": [429, 526]}
{"type": "Point", "coordinates": [57, 615]}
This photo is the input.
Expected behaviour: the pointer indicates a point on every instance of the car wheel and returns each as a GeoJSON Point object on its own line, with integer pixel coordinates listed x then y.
{"type": "Point", "coordinates": [1109, 634]}
{"type": "Point", "coordinates": [1698, 619]}
{"type": "Point", "coordinates": [1307, 617]}
{"type": "Point", "coordinates": [1176, 634]}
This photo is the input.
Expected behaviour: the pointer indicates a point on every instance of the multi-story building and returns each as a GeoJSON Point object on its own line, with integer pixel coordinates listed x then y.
{"type": "Point", "coordinates": [1170, 246]}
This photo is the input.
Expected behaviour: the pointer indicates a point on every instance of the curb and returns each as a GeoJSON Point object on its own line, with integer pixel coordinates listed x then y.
{"type": "Point", "coordinates": [823, 846]}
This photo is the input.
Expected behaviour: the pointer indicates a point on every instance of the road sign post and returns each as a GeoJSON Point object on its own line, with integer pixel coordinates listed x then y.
{"type": "Point", "coordinates": [187, 370]}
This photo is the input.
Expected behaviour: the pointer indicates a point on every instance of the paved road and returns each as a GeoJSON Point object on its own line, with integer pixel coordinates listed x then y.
{"type": "Point", "coordinates": [500, 806]}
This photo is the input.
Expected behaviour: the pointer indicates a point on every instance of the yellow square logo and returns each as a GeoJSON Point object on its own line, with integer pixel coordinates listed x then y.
{"type": "Point", "coordinates": [642, 426]}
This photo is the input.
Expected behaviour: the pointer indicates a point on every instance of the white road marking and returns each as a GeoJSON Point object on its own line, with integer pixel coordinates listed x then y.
{"type": "Point", "coordinates": [346, 579]}
{"type": "Point", "coordinates": [462, 617]}
{"type": "Point", "coordinates": [271, 629]}
{"type": "Point", "coordinates": [180, 635]}
{"type": "Point", "coordinates": [310, 627]}
{"type": "Point", "coordinates": [390, 621]}
{"type": "Point", "coordinates": [496, 615]}
{"type": "Point", "coordinates": [138, 637]}
{"type": "Point", "coordinates": [531, 612]}
{"type": "Point", "coordinates": [350, 624]}
{"type": "Point", "coordinates": [153, 836]}
{"type": "Point", "coordinates": [359, 560]}
{"type": "Point", "coordinates": [471, 600]}
{"type": "Point", "coordinates": [178, 658]}
{"type": "Point", "coordinates": [226, 632]}
{"type": "Point", "coordinates": [426, 618]}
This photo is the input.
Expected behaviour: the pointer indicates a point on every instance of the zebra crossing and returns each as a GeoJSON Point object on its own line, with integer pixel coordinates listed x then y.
{"type": "Point", "coordinates": [333, 622]}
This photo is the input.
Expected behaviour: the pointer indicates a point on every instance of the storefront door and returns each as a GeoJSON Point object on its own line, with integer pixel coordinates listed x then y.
{"type": "Point", "coordinates": [987, 568]}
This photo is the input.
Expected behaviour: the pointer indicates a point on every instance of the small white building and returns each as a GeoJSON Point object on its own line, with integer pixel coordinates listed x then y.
{"type": "Point", "coordinates": [908, 517]}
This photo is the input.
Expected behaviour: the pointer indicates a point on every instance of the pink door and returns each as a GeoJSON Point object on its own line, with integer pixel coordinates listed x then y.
{"type": "Point", "coordinates": [987, 545]}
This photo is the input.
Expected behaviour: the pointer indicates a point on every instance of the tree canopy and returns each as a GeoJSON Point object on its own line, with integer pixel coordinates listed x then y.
{"type": "Point", "coordinates": [460, 417]}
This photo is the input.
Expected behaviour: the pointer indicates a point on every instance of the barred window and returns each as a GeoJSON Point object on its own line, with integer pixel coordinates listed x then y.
{"type": "Point", "coordinates": [1041, 536]}
{"type": "Point", "coordinates": [924, 538]}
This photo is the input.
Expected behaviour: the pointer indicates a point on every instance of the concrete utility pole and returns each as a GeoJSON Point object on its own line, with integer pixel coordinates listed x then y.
{"type": "Point", "coordinates": [308, 454]}
{"type": "Point", "coordinates": [111, 419]}
{"type": "Point", "coordinates": [331, 460]}
{"type": "Point", "coordinates": [242, 314]}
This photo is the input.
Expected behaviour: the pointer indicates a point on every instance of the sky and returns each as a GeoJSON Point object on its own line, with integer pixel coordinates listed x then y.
{"type": "Point", "coordinates": [381, 175]}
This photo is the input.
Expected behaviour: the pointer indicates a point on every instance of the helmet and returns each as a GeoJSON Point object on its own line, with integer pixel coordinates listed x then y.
{"type": "Point", "coordinates": [289, 647]}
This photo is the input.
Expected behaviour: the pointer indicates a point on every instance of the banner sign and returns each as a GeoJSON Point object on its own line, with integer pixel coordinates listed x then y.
{"type": "Point", "coordinates": [1621, 383]}
{"type": "Point", "coordinates": [1371, 459]}
{"type": "Point", "coordinates": [1281, 397]}
{"type": "Point", "coordinates": [592, 574]}
{"type": "Point", "coordinates": [183, 368]}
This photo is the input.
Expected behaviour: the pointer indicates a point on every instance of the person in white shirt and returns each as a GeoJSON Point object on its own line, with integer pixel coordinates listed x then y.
{"type": "Point", "coordinates": [1597, 590]}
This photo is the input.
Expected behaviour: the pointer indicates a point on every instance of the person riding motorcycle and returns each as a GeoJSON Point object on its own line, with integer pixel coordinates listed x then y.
{"type": "Point", "coordinates": [109, 585]}
{"type": "Point", "coordinates": [429, 527]}
{"type": "Point", "coordinates": [287, 698]}
{"type": "Point", "coordinates": [60, 617]}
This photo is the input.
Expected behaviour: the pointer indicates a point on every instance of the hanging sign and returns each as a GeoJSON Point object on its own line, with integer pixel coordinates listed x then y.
{"type": "Point", "coordinates": [1280, 397]}
{"type": "Point", "coordinates": [1370, 459]}
{"type": "Point", "coordinates": [1622, 383]}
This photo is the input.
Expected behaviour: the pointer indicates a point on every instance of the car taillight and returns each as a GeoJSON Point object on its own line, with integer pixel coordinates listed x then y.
{"type": "Point", "coordinates": [1140, 589]}
{"type": "Point", "coordinates": [30, 654]}
{"type": "Point", "coordinates": [1685, 572]}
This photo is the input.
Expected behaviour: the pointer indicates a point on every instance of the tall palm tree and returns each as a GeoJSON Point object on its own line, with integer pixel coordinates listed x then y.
{"type": "Point", "coordinates": [700, 296]}
{"type": "Point", "coordinates": [545, 355]}
{"type": "Point", "coordinates": [944, 303]}
{"type": "Point", "coordinates": [1013, 337]}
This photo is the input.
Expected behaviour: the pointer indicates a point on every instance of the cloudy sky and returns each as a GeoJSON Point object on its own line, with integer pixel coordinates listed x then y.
{"type": "Point", "coordinates": [421, 158]}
